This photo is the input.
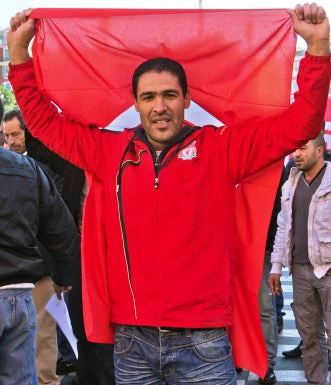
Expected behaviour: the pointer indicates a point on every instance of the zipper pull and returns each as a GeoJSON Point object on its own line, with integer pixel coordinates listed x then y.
{"type": "Point", "coordinates": [157, 161]}
{"type": "Point", "coordinates": [156, 183]}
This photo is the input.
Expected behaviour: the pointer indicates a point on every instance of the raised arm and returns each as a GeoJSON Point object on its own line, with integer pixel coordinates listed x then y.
{"type": "Point", "coordinates": [72, 140]}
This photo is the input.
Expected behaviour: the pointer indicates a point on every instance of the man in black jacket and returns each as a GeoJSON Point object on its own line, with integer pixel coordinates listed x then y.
{"type": "Point", "coordinates": [32, 216]}
{"type": "Point", "coordinates": [16, 136]}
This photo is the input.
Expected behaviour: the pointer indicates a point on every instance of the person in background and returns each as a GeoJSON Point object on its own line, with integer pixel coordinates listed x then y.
{"type": "Point", "coordinates": [15, 133]}
{"type": "Point", "coordinates": [296, 351]}
{"type": "Point", "coordinates": [33, 218]}
{"type": "Point", "coordinates": [302, 243]}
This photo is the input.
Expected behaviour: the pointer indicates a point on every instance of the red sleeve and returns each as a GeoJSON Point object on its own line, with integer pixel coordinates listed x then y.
{"type": "Point", "coordinates": [251, 147]}
{"type": "Point", "coordinates": [77, 143]}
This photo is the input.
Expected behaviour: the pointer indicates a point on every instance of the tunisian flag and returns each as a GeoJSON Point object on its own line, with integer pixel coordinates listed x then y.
{"type": "Point", "coordinates": [239, 66]}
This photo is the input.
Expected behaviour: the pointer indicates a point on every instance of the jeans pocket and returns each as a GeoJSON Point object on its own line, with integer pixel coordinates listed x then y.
{"type": "Point", "coordinates": [31, 312]}
{"type": "Point", "coordinates": [215, 350]}
{"type": "Point", "coordinates": [122, 343]}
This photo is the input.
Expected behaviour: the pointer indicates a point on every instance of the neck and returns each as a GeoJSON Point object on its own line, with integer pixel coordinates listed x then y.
{"type": "Point", "coordinates": [310, 174]}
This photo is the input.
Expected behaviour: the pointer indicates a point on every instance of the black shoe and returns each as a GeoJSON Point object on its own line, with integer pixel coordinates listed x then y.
{"type": "Point", "coordinates": [280, 324]}
{"type": "Point", "coordinates": [269, 378]}
{"type": "Point", "coordinates": [294, 353]}
{"type": "Point", "coordinates": [65, 367]}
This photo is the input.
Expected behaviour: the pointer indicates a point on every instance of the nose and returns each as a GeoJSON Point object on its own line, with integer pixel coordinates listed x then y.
{"type": "Point", "coordinates": [296, 153]}
{"type": "Point", "coordinates": [160, 105]}
{"type": "Point", "coordinates": [10, 141]}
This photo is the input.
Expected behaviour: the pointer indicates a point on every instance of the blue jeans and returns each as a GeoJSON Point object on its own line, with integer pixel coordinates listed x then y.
{"type": "Point", "coordinates": [147, 355]}
{"type": "Point", "coordinates": [267, 307]}
{"type": "Point", "coordinates": [17, 337]}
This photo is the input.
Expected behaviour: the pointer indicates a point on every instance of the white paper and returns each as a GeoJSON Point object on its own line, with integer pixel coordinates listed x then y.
{"type": "Point", "coordinates": [59, 311]}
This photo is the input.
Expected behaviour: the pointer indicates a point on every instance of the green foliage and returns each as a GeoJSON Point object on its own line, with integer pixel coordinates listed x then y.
{"type": "Point", "coordinates": [8, 98]}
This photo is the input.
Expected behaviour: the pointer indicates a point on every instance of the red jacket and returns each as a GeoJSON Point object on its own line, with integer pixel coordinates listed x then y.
{"type": "Point", "coordinates": [159, 252]}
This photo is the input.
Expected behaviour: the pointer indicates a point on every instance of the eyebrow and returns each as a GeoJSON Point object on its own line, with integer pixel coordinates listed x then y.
{"type": "Point", "coordinates": [150, 93]}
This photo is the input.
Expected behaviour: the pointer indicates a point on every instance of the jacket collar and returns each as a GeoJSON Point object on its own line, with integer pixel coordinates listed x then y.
{"type": "Point", "coordinates": [186, 132]}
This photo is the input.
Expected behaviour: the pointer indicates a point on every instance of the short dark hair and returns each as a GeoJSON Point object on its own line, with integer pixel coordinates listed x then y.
{"type": "Point", "coordinates": [160, 64]}
{"type": "Point", "coordinates": [15, 113]}
{"type": "Point", "coordinates": [319, 141]}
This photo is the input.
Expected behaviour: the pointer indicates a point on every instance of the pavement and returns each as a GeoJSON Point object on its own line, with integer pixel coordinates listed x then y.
{"type": "Point", "coordinates": [288, 371]}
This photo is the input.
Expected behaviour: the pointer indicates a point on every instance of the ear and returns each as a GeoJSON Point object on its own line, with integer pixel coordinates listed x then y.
{"type": "Point", "coordinates": [187, 99]}
{"type": "Point", "coordinates": [136, 105]}
{"type": "Point", "coordinates": [320, 151]}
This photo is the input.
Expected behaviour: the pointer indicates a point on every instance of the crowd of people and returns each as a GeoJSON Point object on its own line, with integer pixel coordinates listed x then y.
{"type": "Point", "coordinates": [151, 302]}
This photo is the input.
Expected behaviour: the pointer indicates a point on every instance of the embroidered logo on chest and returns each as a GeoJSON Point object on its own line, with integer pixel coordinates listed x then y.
{"type": "Point", "coordinates": [189, 152]}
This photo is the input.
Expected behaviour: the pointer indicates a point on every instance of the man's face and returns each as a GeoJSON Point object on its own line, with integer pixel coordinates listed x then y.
{"type": "Point", "coordinates": [161, 103]}
{"type": "Point", "coordinates": [14, 135]}
{"type": "Point", "coordinates": [306, 156]}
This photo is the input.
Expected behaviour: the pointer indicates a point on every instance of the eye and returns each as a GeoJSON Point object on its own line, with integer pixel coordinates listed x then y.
{"type": "Point", "coordinates": [146, 97]}
{"type": "Point", "coordinates": [171, 95]}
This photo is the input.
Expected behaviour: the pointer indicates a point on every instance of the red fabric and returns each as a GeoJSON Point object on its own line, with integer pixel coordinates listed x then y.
{"type": "Point", "coordinates": [85, 58]}
{"type": "Point", "coordinates": [239, 66]}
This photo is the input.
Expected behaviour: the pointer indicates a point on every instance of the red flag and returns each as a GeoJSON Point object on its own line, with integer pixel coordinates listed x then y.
{"type": "Point", "coordinates": [239, 66]}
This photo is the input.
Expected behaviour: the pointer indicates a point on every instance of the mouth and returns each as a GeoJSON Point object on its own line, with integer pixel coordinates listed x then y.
{"type": "Point", "coordinates": [161, 123]}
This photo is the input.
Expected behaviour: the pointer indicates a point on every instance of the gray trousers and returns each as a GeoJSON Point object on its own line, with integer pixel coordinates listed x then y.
{"type": "Point", "coordinates": [312, 311]}
{"type": "Point", "coordinates": [267, 305]}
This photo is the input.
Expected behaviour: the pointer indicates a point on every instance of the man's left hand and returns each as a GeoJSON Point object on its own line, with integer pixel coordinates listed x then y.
{"type": "Point", "coordinates": [61, 289]}
{"type": "Point", "coordinates": [311, 23]}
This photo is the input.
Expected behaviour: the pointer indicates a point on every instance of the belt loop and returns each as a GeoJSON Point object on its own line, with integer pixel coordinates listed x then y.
{"type": "Point", "coordinates": [161, 330]}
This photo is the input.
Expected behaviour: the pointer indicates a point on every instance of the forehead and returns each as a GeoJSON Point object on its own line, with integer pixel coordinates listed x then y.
{"type": "Point", "coordinates": [12, 125]}
{"type": "Point", "coordinates": [154, 81]}
{"type": "Point", "coordinates": [310, 144]}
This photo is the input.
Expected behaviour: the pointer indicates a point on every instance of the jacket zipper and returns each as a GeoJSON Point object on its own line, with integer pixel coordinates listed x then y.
{"type": "Point", "coordinates": [157, 165]}
{"type": "Point", "coordinates": [122, 222]}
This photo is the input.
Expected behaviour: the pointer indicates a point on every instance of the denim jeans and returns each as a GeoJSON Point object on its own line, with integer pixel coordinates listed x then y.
{"type": "Point", "coordinates": [268, 318]}
{"type": "Point", "coordinates": [147, 355]}
{"type": "Point", "coordinates": [17, 337]}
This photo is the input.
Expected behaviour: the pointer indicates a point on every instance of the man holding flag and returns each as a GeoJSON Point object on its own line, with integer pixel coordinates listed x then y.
{"type": "Point", "coordinates": [158, 231]}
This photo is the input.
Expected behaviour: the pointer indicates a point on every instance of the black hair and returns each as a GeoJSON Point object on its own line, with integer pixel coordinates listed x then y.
{"type": "Point", "coordinates": [15, 113]}
{"type": "Point", "coordinates": [319, 141]}
{"type": "Point", "coordinates": [160, 64]}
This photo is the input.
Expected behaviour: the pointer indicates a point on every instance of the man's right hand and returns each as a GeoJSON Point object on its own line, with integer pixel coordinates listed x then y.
{"type": "Point", "coordinates": [21, 32]}
{"type": "Point", "coordinates": [274, 284]}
